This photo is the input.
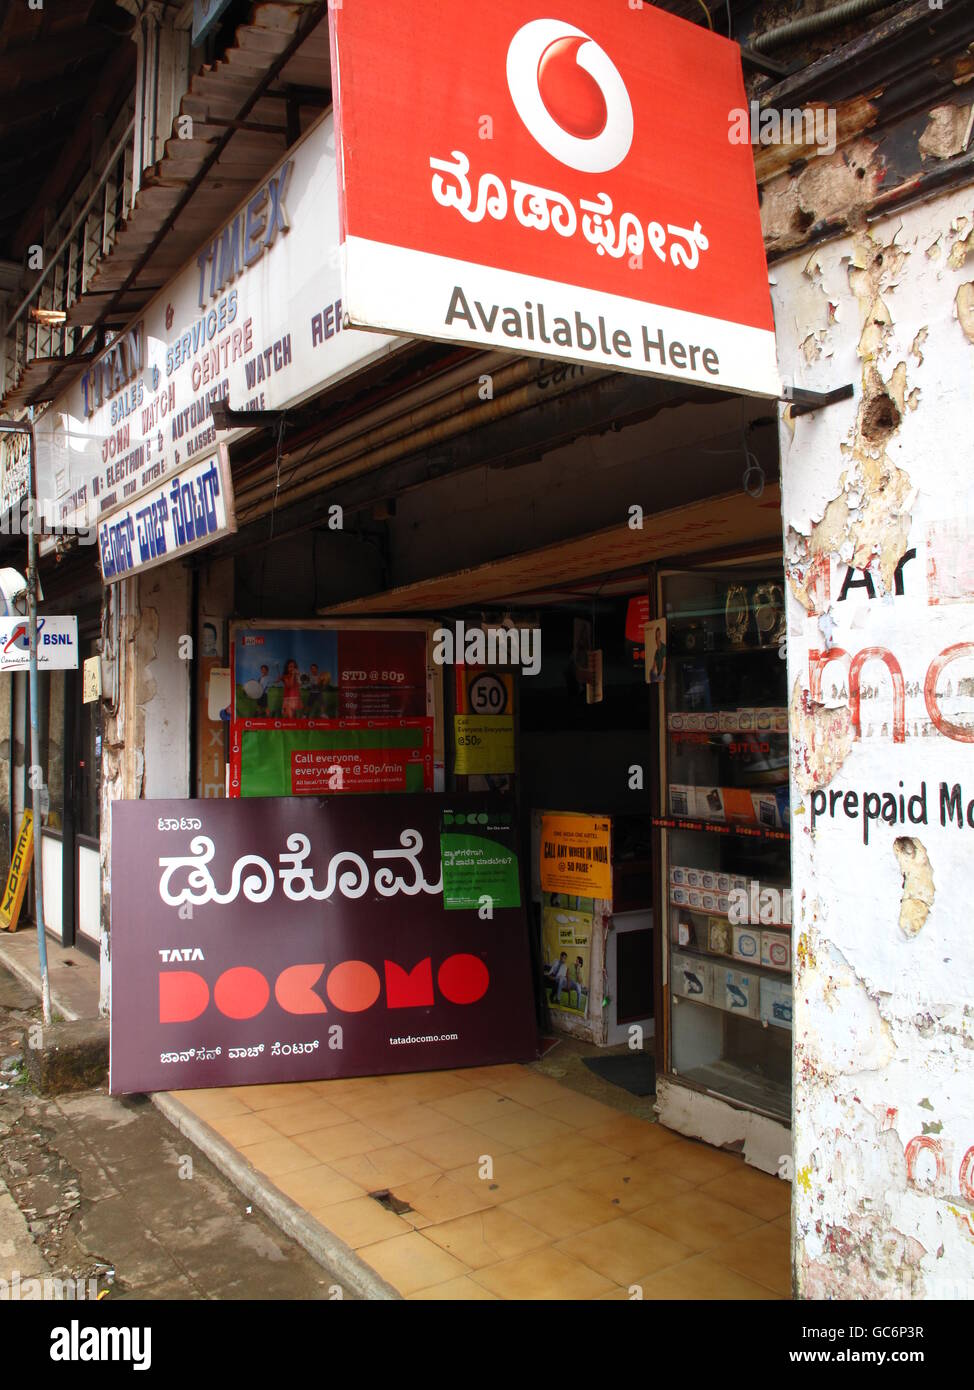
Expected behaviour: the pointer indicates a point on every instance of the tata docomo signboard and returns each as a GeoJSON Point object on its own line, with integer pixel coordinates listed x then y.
{"type": "Point", "coordinates": [566, 187]}
{"type": "Point", "coordinates": [283, 939]}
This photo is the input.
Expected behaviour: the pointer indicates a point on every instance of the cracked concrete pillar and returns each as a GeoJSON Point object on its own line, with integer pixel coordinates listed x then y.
{"type": "Point", "coordinates": [878, 502]}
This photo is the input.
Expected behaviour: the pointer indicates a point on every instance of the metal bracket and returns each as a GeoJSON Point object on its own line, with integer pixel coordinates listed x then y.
{"type": "Point", "coordinates": [760, 62]}
{"type": "Point", "coordinates": [226, 419]}
{"type": "Point", "coordinates": [803, 402]}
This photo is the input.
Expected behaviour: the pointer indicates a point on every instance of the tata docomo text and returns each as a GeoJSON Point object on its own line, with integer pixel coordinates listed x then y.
{"type": "Point", "coordinates": [895, 808]}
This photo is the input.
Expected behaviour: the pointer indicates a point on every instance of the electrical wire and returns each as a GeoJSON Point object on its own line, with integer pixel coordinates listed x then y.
{"type": "Point", "coordinates": [710, 21]}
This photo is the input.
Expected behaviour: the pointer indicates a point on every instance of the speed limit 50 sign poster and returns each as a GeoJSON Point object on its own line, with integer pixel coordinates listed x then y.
{"type": "Point", "coordinates": [484, 722]}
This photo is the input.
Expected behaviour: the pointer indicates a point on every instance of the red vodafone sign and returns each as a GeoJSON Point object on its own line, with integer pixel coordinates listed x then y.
{"type": "Point", "coordinates": [552, 178]}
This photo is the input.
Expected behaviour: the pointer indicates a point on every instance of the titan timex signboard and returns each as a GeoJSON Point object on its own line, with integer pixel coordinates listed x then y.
{"type": "Point", "coordinates": [254, 317]}
{"type": "Point", "coordinates": [552, 180]}
{"type": "Point", "coordinates": [295, 939]}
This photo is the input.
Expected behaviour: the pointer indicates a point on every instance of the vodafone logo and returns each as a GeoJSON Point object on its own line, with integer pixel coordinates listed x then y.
{"type": "Point", "coordinates": [570, 96]}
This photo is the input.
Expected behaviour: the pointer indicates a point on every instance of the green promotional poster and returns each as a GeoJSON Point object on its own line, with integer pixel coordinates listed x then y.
{"type": "Point", "coordinates": [479, 860]}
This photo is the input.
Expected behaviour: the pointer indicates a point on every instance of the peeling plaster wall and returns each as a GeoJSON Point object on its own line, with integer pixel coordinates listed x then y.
{"type": "Point", "coordinates": [146, 723]}
{"type": "Point", "coordinates": [879, 555]}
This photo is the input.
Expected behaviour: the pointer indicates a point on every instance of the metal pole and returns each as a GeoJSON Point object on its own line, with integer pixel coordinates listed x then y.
{"type": "Point", "coordinates": [35, 738]}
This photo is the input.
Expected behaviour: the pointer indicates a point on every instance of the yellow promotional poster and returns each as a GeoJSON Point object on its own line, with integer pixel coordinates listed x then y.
{"type": "Point", "coordinates": [20, 861]}
{"type": "Point", "coordinates": [575, 855]}
{"type": "Point", "coordinates": [483, 743]}
{"type": "Point", "coordinates": [566, 939]}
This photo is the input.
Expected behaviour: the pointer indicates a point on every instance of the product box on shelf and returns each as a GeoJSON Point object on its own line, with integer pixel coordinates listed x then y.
{"type": "Point", "coordinates": [692, 978]}
{"type": "Point", "coordinates": [776, 1007]}
{"type": "Point", "coordinates": [738, 993]}
{"type": "Point", "coordinates": [738, 806]}
{"type": "Point", "coordinates": [719, 937]}
{"type": "Point", "coordinates": [746, 944]}
{"type": "Point", "coordinates": [776, 950]}
{"type": "Point", "coordinates": [682, 800]}
{"type": "Point", "coordinates": [678, 874]}
{"type": "Point", "coordinates": [766, 809]}
{"type": "Point", "coordinates": [729, 721]}
{"type": "Point", "coordinates": [709, 802]}
{"type": "Point", "coordinates": [685, 932]}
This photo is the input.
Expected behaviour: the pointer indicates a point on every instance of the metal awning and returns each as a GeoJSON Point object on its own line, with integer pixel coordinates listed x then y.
{"type": "Point", "coordinates": [725, 523]}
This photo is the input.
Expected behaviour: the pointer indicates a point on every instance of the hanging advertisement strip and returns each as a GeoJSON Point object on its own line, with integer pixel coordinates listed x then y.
{"type": "Point", "coordinates": [567, 187]}
{"type": "Point", "coordinates": [256, 318]}
{"type": "Point", "coordinates": [576, 855]}
{"type": "Point", "coordinates": [254, 994]}
{"type": "Point", "coordinates": [20, 866]}
{"type": "Point", "coordinates": [318, 710]}
{"type": "Point", "coordinates": [188, 511]}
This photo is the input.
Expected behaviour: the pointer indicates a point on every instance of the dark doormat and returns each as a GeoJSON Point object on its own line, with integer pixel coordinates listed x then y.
{"type": "Point", "coordinates": [635, 1074]}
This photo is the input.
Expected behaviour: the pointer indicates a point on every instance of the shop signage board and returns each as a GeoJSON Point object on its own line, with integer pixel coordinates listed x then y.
{"type": "Point", "coordinates": [565, 187]}
{"type": "Point", "coordinates": [255, 317]}
{"type": "Point", "coordinates": [14, 453]}
{"type": "Point", "coordinates": [576, 855]}
{"type": "Point", "coordinates": [566, 941]}
{"type": "Point", "coordinates": [319, 710]}
{"type": "Point", "coordinates": [20, 866]}
{"type": "Point", "coordinates": [57, 644]}
{"type": "Point", "coordinates": [292, 940]}
{"type": "Point", "coordinates": [190, 510]}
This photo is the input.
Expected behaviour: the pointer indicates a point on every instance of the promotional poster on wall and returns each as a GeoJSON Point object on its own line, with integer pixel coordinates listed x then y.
{"type": "Point", "coordinates": [319, 710]}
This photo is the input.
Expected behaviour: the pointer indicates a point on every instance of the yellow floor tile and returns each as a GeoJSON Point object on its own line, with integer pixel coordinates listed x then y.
{"type": "Point", "coordinates": [384, 1168]}
{"type": "Point", "coordinates": [571, 1157]}
{"type": "Point", "coordinates": [542, 1274]}
{"type": "Point", "coordinates": [697, 1219]}
{"type": "Point", "coordinates": [752, 1191]}
{"type": "Point", "coordinates": [486, 1237]}
{"type": "Point", "coordinates": [239, 1130]}
{"type": "Point", "coordinates": [361, 1221]}
{"type": "Point", "coordinates": [622, 1249]}
{"type": "Point", "coordinates": [697, 1279]}
{"type": "Point", "coordinates": [210, 1104]}
{"type": "Point", "coordinates": [463, 1289]}
{"type": "Point", "coordinates": [471, 1107]}
{"type": "Point", "coordinates": [511, 1176]}
{"type": "Point", "coordinates": [410, 1262]}
{"type": "Point", "coordinates": [412, 1122]}
{"type": "Point", "coordinates": [697, 1163]}
{"type": "Point", "coordinates": [489, 1076]}
{"type": "Point", "coordinates": [457, 1147]}
{"type": "Point", "coordinates": [341, 1086]}
{"type": "Point", "coordinates": [581, 1112]}
{"type": "Point", "coordinates": [265, 1097]}
{"type": "Point", "coordinates": [630, 1135]}
{"type": "Point", "coordinates": [439, 1198]}
{"type": "Point", "coordinates": [523, 1130]}
{"type": "Point", "coordinates": [276, 1157]}
{"type": "Point", "coordinates": [427, 1086]}
{"type": "Point", "coordinates": [562, 1210]}
{"type": "Point", "coordinates": [317, 1187]}
{"type": "Point", "coordinates": [532, 1090]}
{"type": "Point", "coordinates": [629, 1186]}
{"type": "Point", "coordinates": [339, 1141]}
{"type": "Point", "coordinates": [763, 1255]}
{"type": "Point", "coordinates": [309, 1114]}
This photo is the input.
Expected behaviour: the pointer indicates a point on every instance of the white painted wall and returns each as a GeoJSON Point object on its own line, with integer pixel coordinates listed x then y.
{"type": "Point", "coordinates": [884, 966]}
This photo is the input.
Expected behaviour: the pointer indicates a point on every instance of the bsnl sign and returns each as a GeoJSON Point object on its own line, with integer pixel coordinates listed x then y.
{"type": "Point", "coordinates": [57, 644]}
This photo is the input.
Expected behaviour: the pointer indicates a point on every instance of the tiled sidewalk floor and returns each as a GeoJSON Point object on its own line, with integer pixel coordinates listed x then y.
{"type": "Point", "coordinates": [583, 1202]}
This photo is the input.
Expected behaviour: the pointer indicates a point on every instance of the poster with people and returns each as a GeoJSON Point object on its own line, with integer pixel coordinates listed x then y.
{"type": "Point", "coordinates": [318, 710]}
{"type": "Point", "coordinates": [566, 940]}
